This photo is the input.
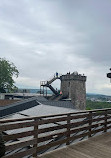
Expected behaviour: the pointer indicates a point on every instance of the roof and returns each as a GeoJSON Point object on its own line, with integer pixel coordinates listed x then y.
{"type": "Point", "coordinates": [63, 104]}
{"type": "Point", "coordinates": [18, 106]}
{"type": "Point", "coordinates": [42, 109]}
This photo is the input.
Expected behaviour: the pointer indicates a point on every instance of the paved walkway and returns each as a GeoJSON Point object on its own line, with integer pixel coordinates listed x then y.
{"type": "Point", "coordinates": [95, 147]}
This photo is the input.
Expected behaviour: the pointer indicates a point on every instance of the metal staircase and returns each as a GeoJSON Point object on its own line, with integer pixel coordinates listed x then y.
{"type": "Point", "coordinates": [52, 89]}
{"type": "Point", "coordinates": [48, 84]}
{"type": "Point", "coordinates": [52, 80]}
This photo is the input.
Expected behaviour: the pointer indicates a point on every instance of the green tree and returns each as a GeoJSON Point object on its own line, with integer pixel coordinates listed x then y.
{"type": "Point", "coordinates": [7, 71]}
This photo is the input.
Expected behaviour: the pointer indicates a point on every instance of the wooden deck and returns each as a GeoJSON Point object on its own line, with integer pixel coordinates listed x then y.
{"type": "Point", "coordinates": [95, 147]}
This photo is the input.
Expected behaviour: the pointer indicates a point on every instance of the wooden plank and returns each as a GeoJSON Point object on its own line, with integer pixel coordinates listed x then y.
{"type": "Point", "coordinates": [49, 145]}
{"type": "Point", "coordinates": [97, 130]}
{"type": "Point", "coordinates": [21, 154]}
{"type": "Point", "coordinates": [108, 122]}
{"type": "Point", "coordinates": [108, 116]}
{"type": "Point", "coordinates": [65, 153]}
{"type": "Point", "coordinates": [105, 121]}
{"type": "Point", "coordinates": [3, 121]}
{"type": "Point", "coordinates": [43, 130]}
{"type": "Point", "coordinates": [97, 124]}
{"type": "Point", "coordinates": [109, 111]}
{"type": "Point", "coordinates": [102, 138]}
{"type": "Point", "coordinates": [52, 136]}
{"type": "Point", "coordinates": [20, 144]}
{"type": "Point", "coordinates": [72, 125]}
{"type": "Point", "coordinates": [90, 148]}
{"type": "Point", "coordinates": [80, 129]}
{"type": "Point", "coordinates": [78, 136]}
{"type": "Point", "coordinates": [59, 142]}
{"type": "Point", "coordinates": [93, 149]}
{"type": "Point", "coordinates": [53, 120]}
{"type": "Point", "coordinates": [68, 128]}
{"type": "Point", "coordinates": [108, 127]}
{"type": "Point", "coordinates": [79, 123]}
{"type": "Point", "coordinates": [90, 123]}
{"type": "Point", "coordinates": [17, 125]}
{"type": "Point", "coordinates": [79, 116]}
{"type": "Point", "coordinates": [18, 135]}
{"type": "Point", "coordinates": [98, 119]}
{"type": "Point", "coordinates": [36, 137]}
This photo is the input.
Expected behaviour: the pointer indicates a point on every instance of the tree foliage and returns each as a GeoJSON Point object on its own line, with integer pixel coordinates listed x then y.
{"type": "Point", "coordinates": [7, 71]}
{"type": "Point", "coordinates": [90, 105]}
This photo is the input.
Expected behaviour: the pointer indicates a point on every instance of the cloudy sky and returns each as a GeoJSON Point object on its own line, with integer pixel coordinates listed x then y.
{"type": "Point", "coordinates": [44, 36]}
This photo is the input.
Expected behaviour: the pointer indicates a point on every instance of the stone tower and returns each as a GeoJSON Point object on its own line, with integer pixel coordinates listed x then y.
{"type": "Point", "coordinates": [73, 86]}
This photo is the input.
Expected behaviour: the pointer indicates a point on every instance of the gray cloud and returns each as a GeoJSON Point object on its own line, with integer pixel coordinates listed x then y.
{"type": "Point", "coordinates": [45, 36]}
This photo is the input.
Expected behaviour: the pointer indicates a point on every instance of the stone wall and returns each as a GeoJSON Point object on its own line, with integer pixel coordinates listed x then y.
{"type": "Point", "coordinates": [73, 86]}
{"type": "Point", "coordinates": [65, 88]}
{"type": "Point", "coordinates": [77, 94]}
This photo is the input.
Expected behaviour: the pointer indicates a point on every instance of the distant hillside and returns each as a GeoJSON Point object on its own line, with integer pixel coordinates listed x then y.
{"type": "Point", "coordinates": [97, 97]}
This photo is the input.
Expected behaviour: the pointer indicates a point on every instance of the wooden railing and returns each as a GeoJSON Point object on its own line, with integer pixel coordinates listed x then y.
{"type": "Point", "coordinates": [36, 135]}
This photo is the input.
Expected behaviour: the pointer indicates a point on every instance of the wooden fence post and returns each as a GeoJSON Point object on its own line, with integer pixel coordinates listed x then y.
{"type": "Point", "coordinates": [68, 129]}
{"type": "Point", "coordinates": [105, 122]}
{"type": "Point", "coordinates": [90, 123]}
{"type": "Point", "coordinates": [36, 136]}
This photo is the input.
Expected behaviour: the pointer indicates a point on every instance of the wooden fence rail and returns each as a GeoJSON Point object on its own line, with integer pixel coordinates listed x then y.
{"type": "Point", "coordinates": [36, 135]}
